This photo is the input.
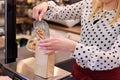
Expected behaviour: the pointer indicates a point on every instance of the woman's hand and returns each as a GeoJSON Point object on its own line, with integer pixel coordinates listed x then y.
{"type": "Point", "coordinates": [40, 10]}
{"type": "Point", "coordinates": [57, 44]}
{"type": "Point", "coordinates": [5, 78]}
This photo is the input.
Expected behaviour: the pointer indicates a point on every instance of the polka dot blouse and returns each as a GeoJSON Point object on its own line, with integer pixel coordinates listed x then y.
{"type": "Point", "coordinates": [99, 46]}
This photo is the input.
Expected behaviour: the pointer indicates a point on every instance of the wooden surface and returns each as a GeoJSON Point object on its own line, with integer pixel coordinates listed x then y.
{"type": "Point", "coordinates": [19, 20]}
{"type": "Point", "coordinates": [2, 42]}
{"type": "Point", "coordinates": [75, 29]}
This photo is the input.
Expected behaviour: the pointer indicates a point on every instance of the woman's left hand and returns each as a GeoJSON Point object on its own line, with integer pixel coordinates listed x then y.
{"type": "Point", "coordinates": [57, 44]}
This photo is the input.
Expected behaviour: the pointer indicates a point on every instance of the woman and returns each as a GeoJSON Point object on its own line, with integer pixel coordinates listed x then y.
{"type": "Point", "coordinates": [97, 55]}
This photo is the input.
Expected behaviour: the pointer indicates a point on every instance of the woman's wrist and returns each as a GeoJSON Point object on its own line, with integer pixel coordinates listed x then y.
{"type": "Point", "coordinates": [73, 45]}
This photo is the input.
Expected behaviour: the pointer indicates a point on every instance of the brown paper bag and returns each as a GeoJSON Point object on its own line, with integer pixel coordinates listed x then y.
{"type": "Point", "coordinates": [44, 64]}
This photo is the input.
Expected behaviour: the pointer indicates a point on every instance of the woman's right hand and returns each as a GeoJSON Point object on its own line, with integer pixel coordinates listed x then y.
{"type": "Point", "coordinates": [40, 10]}
{"type": "Point", "coordinates": [5, 78]}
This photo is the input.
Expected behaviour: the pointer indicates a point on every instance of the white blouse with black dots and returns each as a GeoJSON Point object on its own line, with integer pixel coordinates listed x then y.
{"type": "Point", "coordinates": [99, 47]}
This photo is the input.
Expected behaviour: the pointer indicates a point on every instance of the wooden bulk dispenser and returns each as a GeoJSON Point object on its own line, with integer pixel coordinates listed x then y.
{"type": "Point", "coordinates": [44, 64]}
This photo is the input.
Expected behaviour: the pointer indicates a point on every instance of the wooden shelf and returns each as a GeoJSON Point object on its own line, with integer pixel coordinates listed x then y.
{"type": "Point", "coordinates": [75, 29]}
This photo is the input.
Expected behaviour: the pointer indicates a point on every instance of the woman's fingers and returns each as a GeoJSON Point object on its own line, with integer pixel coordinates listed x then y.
{"type": "Point", "coordinates": [45, 44]}
{"type": "Point", "coordinates": [36, 11]}
{"type": "Point", "coordinates": [46, 48]}
{"type": "Point", "coordinates": [42, 14]}
{"type": "Point", "coordinates": [44, 41]}
{"type": "Point", "coordinates": [5, 78]}
{"type": "Point", "coordinates": [40, 10]}
{"type": "Point", "coordinates": [49, 52]}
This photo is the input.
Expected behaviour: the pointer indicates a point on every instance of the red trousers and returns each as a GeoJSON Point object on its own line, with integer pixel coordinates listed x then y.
{"type": "Point", "coordinates": [86, 74]}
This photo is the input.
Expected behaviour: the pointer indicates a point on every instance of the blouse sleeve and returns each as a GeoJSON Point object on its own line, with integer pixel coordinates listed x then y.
{"type": "Point", "coordinates": [97, 59]}
{"type": "Point", "coordinates": [64, 12]}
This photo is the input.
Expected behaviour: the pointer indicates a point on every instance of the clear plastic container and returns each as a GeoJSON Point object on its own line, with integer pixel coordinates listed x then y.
{"type": "Point", "coordinates": [43, 27]}
{"type": "Point", "coordinates": [41, 31]}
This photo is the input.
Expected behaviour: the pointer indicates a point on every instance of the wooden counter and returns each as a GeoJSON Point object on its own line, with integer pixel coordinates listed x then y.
{"type": "Point", "coordinates": [75, 29]}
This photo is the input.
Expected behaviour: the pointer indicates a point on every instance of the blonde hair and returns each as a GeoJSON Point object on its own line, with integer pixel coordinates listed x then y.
{"type": "Point", "coordinates": [98, 6]}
